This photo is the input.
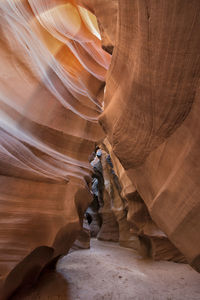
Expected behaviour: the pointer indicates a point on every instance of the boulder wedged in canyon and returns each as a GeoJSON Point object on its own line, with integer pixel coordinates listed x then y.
{"type": "Point", "coordinates": [151, 113]}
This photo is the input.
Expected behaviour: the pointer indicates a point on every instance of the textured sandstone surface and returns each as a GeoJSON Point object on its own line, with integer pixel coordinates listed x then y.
{"type": "Point", "coordinates": [56, 82]}
{"type": "Point", "coordinates": [137, 228]}
{"type": "Point", "coordinates": [52, 77]}
{"type": "Point", "coordinates": [151, 112]}
{"type": "Point", "coordinates": [117, 204]}
{"type": "Point", "coordinates": [109, 229]}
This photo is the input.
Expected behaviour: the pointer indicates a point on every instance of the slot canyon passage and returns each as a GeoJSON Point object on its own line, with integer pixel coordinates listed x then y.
{"type": "Point", "coordinates": [100, 149]}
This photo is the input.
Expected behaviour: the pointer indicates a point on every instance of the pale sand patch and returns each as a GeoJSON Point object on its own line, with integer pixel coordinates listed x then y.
{"type": "Point", "coordinates": [110, 272]}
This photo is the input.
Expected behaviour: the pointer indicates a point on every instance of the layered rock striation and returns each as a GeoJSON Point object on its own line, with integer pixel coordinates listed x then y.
{"type": "Point", "coordinates": [151, 112]}
{"type": "Point", "coordinates": [52, 84]}
{"type": "Point", "coordinates": [52, 80]}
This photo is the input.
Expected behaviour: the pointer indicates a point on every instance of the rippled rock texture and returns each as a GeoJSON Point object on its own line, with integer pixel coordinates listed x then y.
{"type": "Point", "coordinates": [137, 229]}
{"type": "Point", "coordinates": [52, 79]}
{"type": "Point", "coordinates": [151, 113]}
{"type": "Point", "coordinates": [52, 84]}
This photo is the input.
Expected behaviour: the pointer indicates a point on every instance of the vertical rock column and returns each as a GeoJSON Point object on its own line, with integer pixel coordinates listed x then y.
{"type": "Point", "coordinates": [119, 205]}
{"type": "Point", "coordinates": [145, 235]}
{"type": "Point", "coordinates": [109, 229]}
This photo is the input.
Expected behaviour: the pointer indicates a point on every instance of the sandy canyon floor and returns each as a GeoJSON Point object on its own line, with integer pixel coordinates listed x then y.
{"type": "Point", "coordinates": [107, 271]}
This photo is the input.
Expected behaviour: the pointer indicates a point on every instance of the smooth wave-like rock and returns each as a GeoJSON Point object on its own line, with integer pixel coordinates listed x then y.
{"type": "Point", "coordinates": [151, 112]}
{"type": "Point", "coordinates": [56, 82]}
{"type": "Point", "coordinates": [52, 79]}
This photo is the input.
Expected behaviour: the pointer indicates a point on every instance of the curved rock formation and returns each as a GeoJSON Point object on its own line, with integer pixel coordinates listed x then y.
{"type": "Point", "coordinates": [52, 84]}
{"type": "Point", "coordinates": [151, 112]}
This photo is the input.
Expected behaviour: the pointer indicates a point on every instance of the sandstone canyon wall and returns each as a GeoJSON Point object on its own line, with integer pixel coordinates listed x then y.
{"type": "Point", "coordinates": [151, 112]}
{"type": "Point", "coordinates": [52, 84]}
{"type": "Point", "coordinates": [52, 77]}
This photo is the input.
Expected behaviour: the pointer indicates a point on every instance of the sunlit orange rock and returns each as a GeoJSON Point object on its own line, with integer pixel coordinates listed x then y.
{"type": "Point", "coordinates": [52, 79]}
{"type": "Point", "coordinates": [52, 94]}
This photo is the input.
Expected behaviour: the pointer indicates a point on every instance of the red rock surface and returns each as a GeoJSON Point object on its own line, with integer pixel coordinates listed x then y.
{"type": "Point", "coordinates": [151, 112]}
{"type": "Point", "coordinates": [52, 83]}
